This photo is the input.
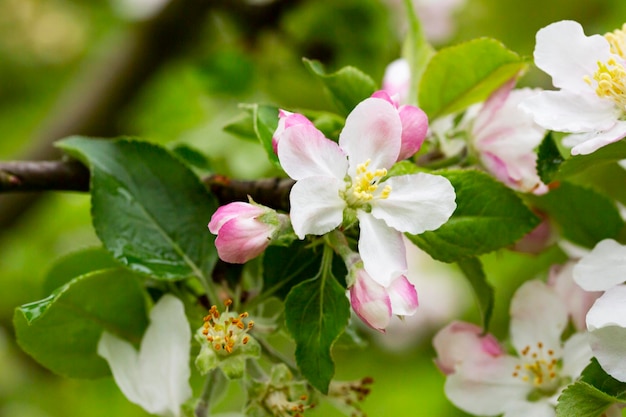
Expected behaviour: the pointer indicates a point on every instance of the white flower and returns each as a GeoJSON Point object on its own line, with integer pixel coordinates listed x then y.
{"type": "Point", "coordinates": [590, 73]}
{"type": "Point", "coordinates": [348, 180]}
{"type": "Point", "coordinates": [604, 269]}
{"type": "Point", "coordinates": [157, 377]}
{"type": "Point", "coordinates": [484, 380]}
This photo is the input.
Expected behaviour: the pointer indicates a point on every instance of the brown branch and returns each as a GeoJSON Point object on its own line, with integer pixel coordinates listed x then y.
{"type": "Point", "coordinates": [71, 175]}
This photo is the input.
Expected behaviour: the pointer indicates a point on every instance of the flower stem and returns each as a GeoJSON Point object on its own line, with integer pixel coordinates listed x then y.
{"type": "Point", "coordinates": [214, 380]}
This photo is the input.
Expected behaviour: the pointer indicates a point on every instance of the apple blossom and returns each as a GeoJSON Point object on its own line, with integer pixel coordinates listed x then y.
{"type": "Point", "coordinates": [590, 73]}
{"type": "Point", "coordinates": [156, 377]}
{"type": "Point", "coordinates": [347, 181]}
{"type": "Point", "coordinates": [484, 380]}
{"type": "Point", "coordinates": [604, 269]}
{"type": "Point", "coordinates": [245, 230]}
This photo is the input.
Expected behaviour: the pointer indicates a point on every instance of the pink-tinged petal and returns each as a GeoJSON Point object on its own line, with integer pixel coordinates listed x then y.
{"type": "Point", "coordinates": [417, 203]}
{"type": "Point", "coordinates": [576, 355]}
{"type": "Point", "coordinates": [303, 152]}
{"type": "Point", "coordinates": [316, 207]}
{"type": "Point", "coordinates": [538, 239]}
{"type": "Point", "coordinates": [403, 297]}
{"type": "Point", "coordinates": [603, 267]}
{"type": "Point", "coordinates": [370, 301]}
{"type": "Point", "coordinates": [242, 239]}
{"type": "Point", "coordinates": [493, 105]}
{"type": "Point", "coordinates": [461, 342]}
{"type": "Point", "coordinates": [373, 131]}
{"type": "Point", "coordinates": [414, 128]}
{"type": "Point", "coordinates": [586, 143]}
{"type": "Point", "coordinates": [537, 316]}
{"type": "Point", "coordinates": [577, 300]}
{"type": "Point", "coordinates": [384, 95]}
{"type": "Point", "coordinates": [287, 119]}
{"type": "Point", "coordinates": [487, 388]}
{"type": "Point", "coordinates": [565, 53]}
{"type": "Point", "coordinates": [232, 210]}
{"type": "Point", "coordinates": [564, 111]}
{"type": "Point", "coordinates": [397, 79]}
{"type": "Point", "coordinates": [382, 250]}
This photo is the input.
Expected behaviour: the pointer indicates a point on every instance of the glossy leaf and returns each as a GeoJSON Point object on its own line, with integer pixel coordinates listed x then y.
{"type": "Point", "coordinates": [62, 331]}
{"type": "Point", "coordinates": [483, 291]}
{"type": "Point", "coordinates": [585, 216]}
{"type": "Point", "coordinates": [317, 311]}
{"type": "Point", "coordinates": [149, 209]}
{"type": "Point", "coordinates": [461, 75]}
{"type": "Point", "coordinates": [346, 87]}
{"type": "Point", "coordinates": [580, 163]}
{"type": "Point", "coordinates": [592, 394]}
{"type": "Point", "coordinates": [75, 264]}
{"type": "Point", "coordinates": [549, 159]}
{"type": "Point", "coordinates": [488, 216]}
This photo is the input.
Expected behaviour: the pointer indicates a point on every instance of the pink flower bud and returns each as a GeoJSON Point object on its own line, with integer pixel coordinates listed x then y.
{"type": "Point", "coordinates": [243, 230]}
{"type": "Point", "coordinates": [285, 120]}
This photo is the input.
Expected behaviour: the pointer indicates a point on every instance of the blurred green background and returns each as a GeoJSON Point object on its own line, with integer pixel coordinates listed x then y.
{"type": "Point", "coordinates": [55, 53]}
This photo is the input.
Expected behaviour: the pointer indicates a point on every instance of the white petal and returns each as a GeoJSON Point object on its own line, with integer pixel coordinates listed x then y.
{"type": "Point", "coordinates": [537, 316]}
{"type": "Point", "coordinates": [373, 131]}
{"type": "Point", "coordinates": [609, 309]}
{"type": "Point", "coordinates": [403, 297]}
{"type": "Point", "coordinates": [564, 52]}
{"type": "Point", "coordinates": [303, 152]}
{"type": "Point", "coordinates": [164, 353]}
{"type": "Point", "coordinates": [586, 143]}
{"type": "Point", "coordinates": [316, 207]}
{"type": "Point", "coordinates": [576, 355]}
{"type": "Point", "coordinates": [530, 409]}
{"type": "Point", "coordinates": [564, 111]}
{"type": "Point", "coordinates": [603, 267]}
{"type": "Point", "coordinates": [417, 203]}
{"type": "Point", "coordinates": [608, 346]}
{"type": "Point", "coordinates": [488, 388]}
{"type": "Point", "coordinates": [382, 250]}
{"type": "Point", "coordinates": [157, 378]}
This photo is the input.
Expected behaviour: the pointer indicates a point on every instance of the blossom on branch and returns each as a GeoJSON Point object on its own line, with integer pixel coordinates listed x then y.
{"type": "Point", "coordinates": [340, 183]}
{"type": "Point", "coordinates": [156, 377]}
{"type": "Point", "coordinates": [245, 230]}
{"type": "Point", "coordinates": [484, 380]}
{"type": "Point", "coordinates": [590, 72]}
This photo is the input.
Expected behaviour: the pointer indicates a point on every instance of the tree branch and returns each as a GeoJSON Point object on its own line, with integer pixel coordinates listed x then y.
{"type": "Point", "coordinates": [71, 175]}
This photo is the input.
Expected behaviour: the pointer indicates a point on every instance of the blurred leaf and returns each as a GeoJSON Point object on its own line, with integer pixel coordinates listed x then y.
{"type": "Point", "coordinates": [192, 157]}
{"type": "Point", "coordinates": [578, 164]}
{"type": "Point", "coordinates": [227, 71]}
{"type": "Point", "coordinates": [461, 75]}
{"type": "Point", "coordinates": [488, 216]}
{"type": "Point", "coordinates": [149, 209]}
{"type": "Point", "coordinates": [548, 159]}
{"type": "Point", "coordinates": [585, 216]}
{"type": "Point", "coordinates": [264, 123]}
{"type": "Point", "coordinates": [417, 51]}
{"type": "Point", "coordinates": [75, 264]}
{"type": "Point", "coordinates": [592, 394]}
{"type": "Point", "coordinates": [347, 87]}
{"type": "Point", "coordinates": [473, 270]}
{"type": "Point", "coordinates": [242, 126]}
{"type": "Point", "coordinates": [317, 311]}
{"type": "Point", "coordinates": [62, 331]}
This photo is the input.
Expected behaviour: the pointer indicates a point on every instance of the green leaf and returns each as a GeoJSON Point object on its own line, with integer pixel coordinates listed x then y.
{"type": "Point", "coordinates": [580, 163]}
{"type": "Point", "coordinates": [417, 51]}
{"type": "Point", "coordinates": [317, 311]}
{"type": "Point", "coordinates": [264, 123]}
{"type": "Point", "coordinates": [488, 216]}
{"type": "Point", "coordinates": [192, 157]}
{"type": "Point", "coordinates": [549, 159]}
{"type": "Point", "coordinates": [585, 216]}
{"type": "Point", "coordinates": [284, 267]}
{"type": "Point", "coordinates": [346, 87]}
{"type": "Point", "coordinates": [149, 209]}
{"type": "Point", "coordinates": [62, 331]}
{"type": "Point", "coordinates": [464, 74]}
{"type": "Point", "coordinates": [75, 264]}
{"type": "Point", "coordinates": [592, 394]}
{"type": "Point", "coordinates": [242, 126]}
{"type": "Point", "coordinates": [473, 270]}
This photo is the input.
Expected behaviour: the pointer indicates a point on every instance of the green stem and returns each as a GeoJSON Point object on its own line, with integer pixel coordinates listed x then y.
{"type": "Point", "coordinates": [276, 356]}
{"type": "Point", "coordinates": [211, 383]}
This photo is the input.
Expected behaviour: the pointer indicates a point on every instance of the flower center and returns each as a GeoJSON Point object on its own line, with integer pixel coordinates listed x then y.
{"type": "Point", "coordinates": [226, 331]}
{"type": "Point", "coordinates": [364, 187]}
{"type": "Point", "coordinates": [539, 368]}
{"type": "Point", "coordinates": [610, 77]}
